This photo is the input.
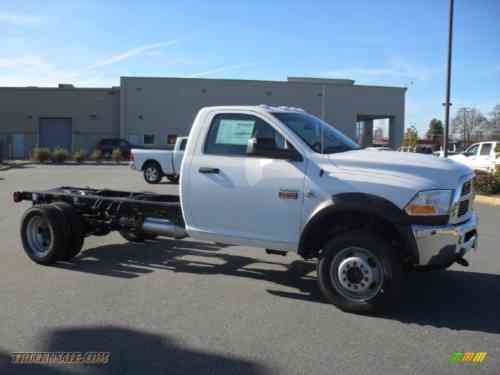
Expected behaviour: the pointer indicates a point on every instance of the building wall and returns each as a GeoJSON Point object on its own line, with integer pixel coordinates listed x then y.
{"type": "Point", "coordinates": [22, 109]}
{"type": "Point", "coordinates": [168, 106]}
{"type": "Point", "coordinates": [164, 106]}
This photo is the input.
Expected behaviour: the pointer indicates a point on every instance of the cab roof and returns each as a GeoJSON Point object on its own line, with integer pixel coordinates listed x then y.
{"type": "Point", "coordinates": [259, 108]}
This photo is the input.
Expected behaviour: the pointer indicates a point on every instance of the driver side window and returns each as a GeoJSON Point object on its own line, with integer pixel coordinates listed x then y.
{"type": "Point", "coordinates": [229, 134]}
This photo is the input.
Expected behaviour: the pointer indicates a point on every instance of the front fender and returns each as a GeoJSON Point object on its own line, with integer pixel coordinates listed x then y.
{"type": "Point", "coordinates": [361, 204]}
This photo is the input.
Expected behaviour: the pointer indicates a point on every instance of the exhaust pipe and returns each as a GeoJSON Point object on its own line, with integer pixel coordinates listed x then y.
{"type": "Point", "coordinates": [163, 227]}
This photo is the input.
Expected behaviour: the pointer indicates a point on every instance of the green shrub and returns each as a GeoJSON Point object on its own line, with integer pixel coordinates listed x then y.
{"type": "Point", "coordinates": [487, 183]}
{"type": "Point", "coordinates": [116, 156]}
{"type": "Point", "coordinates": [41, 154]}
{"type": "Point", "coordinates": [79, 156]}
{"type": "Point", "coordinates": [97, 156]}
{"type": "Point", "coordinates": [59, 155]}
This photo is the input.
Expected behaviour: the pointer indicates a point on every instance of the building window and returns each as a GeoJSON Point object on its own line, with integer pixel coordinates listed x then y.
{"type": "Point", "coordinates": [171, 138]}
{"type": "Point", "coordinates": [149, 139]}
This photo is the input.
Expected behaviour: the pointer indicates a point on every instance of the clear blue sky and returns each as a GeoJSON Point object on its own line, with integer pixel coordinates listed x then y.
{"type": "Point", "coordinates": [402, 43]}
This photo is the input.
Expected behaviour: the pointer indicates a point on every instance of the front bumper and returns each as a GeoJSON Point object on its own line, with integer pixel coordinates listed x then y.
{"type": "Point", "coordinates": [443, 244]}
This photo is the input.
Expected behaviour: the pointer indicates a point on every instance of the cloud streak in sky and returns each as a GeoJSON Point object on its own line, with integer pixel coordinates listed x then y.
{"type": "Point", "coordinates": [36, 70]}
{"type": "Point", "coordinates": [221, 69]}
{"type": "Point", "coordinates": [131, 53]}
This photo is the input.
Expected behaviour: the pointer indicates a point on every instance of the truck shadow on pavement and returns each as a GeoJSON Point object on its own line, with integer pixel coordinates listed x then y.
{"type": "Point", "coordinates": [131, 352]}
{"type": "Point", "coordinates": [458, 300]}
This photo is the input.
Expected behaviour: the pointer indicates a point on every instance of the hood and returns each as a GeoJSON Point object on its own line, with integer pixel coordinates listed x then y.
{"type": "Point", "coordinates": [396, 175]}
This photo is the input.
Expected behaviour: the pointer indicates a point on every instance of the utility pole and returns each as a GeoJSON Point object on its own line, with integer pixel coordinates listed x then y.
{"type": "Point", "coordinates": [448, 83]}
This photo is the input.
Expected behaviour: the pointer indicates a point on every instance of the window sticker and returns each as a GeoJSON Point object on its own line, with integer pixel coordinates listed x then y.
{"type": "Point", "coordinates": [235, 132]}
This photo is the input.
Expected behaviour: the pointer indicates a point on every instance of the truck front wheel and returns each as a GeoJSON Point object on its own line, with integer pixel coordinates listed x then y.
{"type": "Point", "coordinates": [359, 272]}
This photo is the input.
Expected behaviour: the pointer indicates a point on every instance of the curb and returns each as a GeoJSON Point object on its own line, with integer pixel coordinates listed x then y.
{"type": "Point", "coordinates": [493, 200]}
{"type": "Point", "coordinates": [7, 166]}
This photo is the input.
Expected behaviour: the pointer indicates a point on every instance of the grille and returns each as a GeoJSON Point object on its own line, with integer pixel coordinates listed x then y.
{"type": "Point", "coordinates": [463, 208]}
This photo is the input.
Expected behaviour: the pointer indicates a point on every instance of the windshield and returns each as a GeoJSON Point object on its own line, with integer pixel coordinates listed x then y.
{"type": "Point", "coordinates": [319, 135]}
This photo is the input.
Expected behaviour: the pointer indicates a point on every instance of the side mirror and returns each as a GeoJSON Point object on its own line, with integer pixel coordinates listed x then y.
{"type": "Point", "coordinates": [266, 148]}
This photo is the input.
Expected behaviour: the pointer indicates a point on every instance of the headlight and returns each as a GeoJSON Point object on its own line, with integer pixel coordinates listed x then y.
{"type": "Point", "coordinates": [430, 202]}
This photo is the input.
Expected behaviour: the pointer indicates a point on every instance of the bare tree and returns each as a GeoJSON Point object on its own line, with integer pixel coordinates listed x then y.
{"type": "Point", "coordinates": [468, 125]}
{"type": "Point", "coordinates": [494, 123]}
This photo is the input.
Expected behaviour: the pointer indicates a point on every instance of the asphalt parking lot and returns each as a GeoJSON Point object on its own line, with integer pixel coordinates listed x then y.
{"type": "Point", "coordinates": [178, 307]}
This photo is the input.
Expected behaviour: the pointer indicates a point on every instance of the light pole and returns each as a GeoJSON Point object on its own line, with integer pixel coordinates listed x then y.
{"type": "Point", "coordinates": [448, 83]}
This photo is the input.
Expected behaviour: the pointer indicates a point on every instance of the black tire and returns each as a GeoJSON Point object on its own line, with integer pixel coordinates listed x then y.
{"type": "Point", "coordinates": [55, 230]}
{"type": "Point", "coordinates": [136, 237]}
{"type": "Point", "coordinates": [152, 172]}
{"type": "Point", "coordinates": [173, 178]}
{"type": "Point", "coordinates": [380, 292]}
{"type": "Point", "coordinates": [76, 229]}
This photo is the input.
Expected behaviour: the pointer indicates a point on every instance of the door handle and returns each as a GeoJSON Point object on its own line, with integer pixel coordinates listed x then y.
{"type": "Point", "coordinates": [207, 170]}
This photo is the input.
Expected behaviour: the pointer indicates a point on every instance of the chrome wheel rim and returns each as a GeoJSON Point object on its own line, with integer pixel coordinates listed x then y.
{"type": "Point", "coordinates": [38, 236]}
{"type": "Point", "coordinates": [357, 273]}
{"type": "Point", "coordinates": [151, 173]}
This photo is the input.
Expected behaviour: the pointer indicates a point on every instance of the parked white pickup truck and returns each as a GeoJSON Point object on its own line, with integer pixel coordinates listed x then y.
{"type": "Point", "coordinates": [484, 156]}
{"type": "Point", "coordinates": [158, 163]}
{"type": "Point", "coordinates": [281, 179]}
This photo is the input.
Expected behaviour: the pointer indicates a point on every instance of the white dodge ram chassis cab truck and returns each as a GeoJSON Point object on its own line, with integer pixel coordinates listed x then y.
{"type": "Point", "coordinates": [158, 163]}
{"type": "Point", "coordinates": [281, 179]}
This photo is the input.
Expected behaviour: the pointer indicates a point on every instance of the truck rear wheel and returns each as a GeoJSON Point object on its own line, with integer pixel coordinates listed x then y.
{"type": "Point", "coordinates": [152, 173]}
{"type": "Point", "coordinates": [44, 234]}
{"type": "Point", "coordinates": [76, 229]}
{"type": "Point", "coordinates": [359, 272]}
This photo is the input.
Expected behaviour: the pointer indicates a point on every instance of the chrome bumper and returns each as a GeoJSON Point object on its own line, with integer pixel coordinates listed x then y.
{"type": "Point", "coordinates": [442, 244]}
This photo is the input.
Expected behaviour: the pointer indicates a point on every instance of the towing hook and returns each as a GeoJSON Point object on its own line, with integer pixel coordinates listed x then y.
{"type": "Point", "coordinates": [462, 261]}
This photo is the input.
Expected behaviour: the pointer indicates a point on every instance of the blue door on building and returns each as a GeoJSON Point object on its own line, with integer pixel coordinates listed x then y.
{"type": "Point", "coordinates": [56, 132]}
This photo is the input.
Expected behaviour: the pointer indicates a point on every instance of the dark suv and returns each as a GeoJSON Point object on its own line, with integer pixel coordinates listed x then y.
{"type": "Point", "coordinates": [107, 145]}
